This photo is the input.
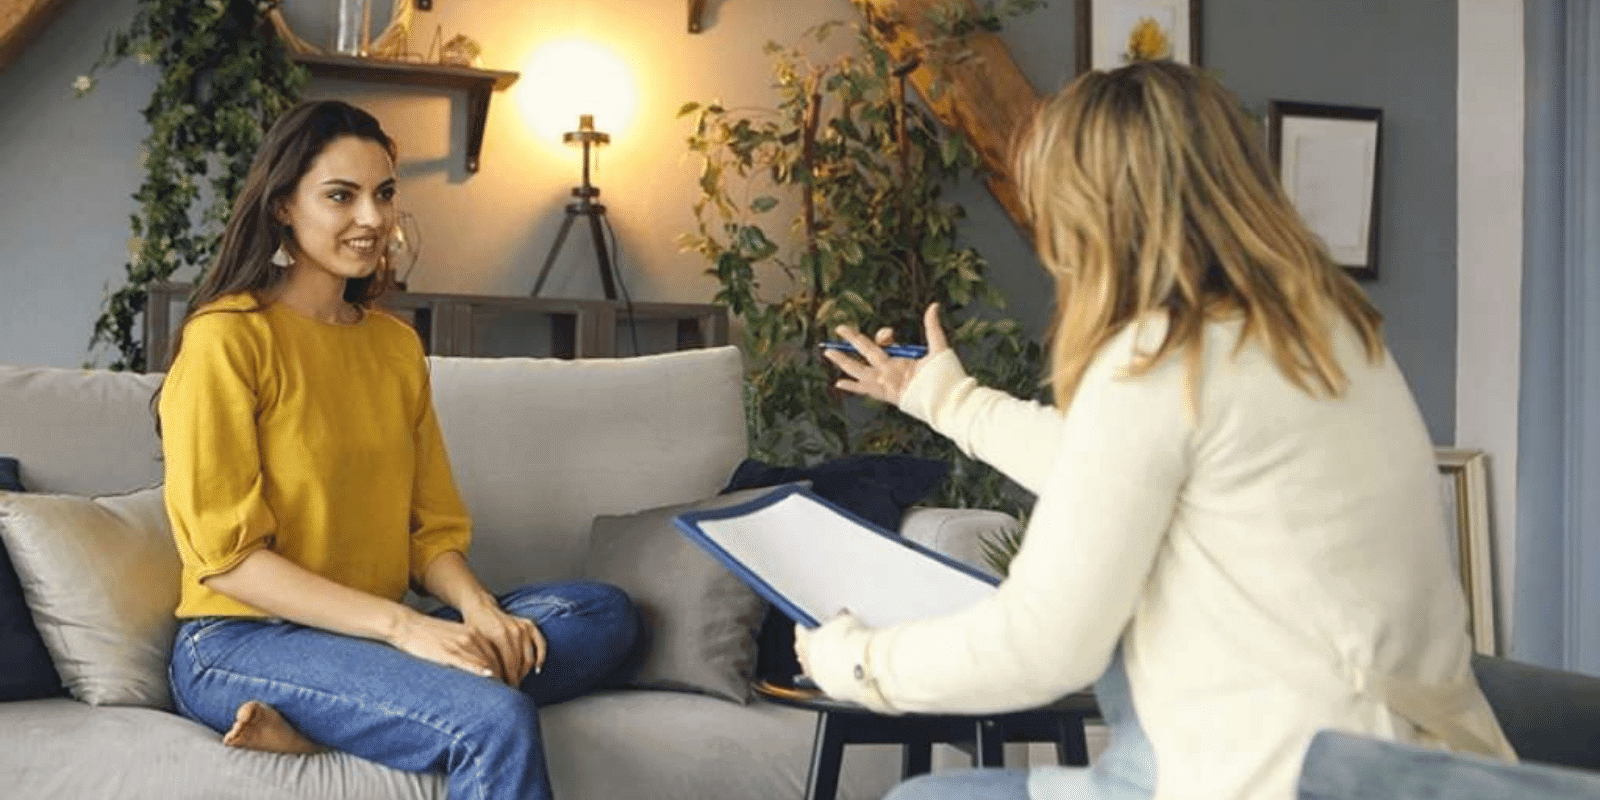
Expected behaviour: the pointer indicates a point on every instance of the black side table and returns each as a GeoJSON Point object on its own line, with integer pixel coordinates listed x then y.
{"type": "Point", "coordinates": [840, 723]}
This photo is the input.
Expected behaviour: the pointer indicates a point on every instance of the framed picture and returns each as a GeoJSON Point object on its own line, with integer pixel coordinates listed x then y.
{"type": "Point", "coordinates": [1328, 160]}
{"type": "Point", "coordinates": [1112, 33]}
{"type": "Point", "coordinates": [1464, 487]}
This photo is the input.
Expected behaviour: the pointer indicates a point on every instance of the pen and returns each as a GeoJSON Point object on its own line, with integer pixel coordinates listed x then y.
{"type": "Point", "coordinates": [896, 350]}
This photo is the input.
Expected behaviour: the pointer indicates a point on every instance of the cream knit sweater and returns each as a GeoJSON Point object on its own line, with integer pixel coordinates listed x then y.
{"type": "Point", "coordinates": [1272, 563]}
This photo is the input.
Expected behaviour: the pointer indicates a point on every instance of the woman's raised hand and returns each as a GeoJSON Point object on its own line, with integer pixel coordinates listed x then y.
{"type": "Point", "coordinates": [875, 373]}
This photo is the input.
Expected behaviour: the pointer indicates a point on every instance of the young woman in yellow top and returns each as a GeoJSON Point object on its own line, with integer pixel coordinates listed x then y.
{"type": "Point", "coordinates": [308, 487]}
{"type": "Point", "coordinates": [1238, 529]}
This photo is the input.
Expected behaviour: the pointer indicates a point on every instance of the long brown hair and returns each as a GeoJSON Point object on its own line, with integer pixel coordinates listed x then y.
{"type": "Point", "coordinates": [1150, 190]}
{"type": "Point", "coordinates": [253, 234]}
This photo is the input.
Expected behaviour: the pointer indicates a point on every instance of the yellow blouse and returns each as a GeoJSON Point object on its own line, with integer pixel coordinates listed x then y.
{"type": "Point", "coordinates": [315, 440]}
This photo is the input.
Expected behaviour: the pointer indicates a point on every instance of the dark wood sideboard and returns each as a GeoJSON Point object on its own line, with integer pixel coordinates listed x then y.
{"type": "Point", "coordinates": [484, 325]}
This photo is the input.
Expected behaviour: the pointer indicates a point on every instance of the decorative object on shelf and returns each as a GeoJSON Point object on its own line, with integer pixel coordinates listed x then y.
{"type": "Point", "coordinates": [1112, 33]}
{"type": "Point", "coordinates": [353, 34]}
{"type": "Point", "coordinates": [1329, 161]}
{"type": "Point", "coordinates": [861, 177]}
{"type": "Point", "coordinates": [587, 138]}
{"type": "Point", "coordinates": [223, 78]}
{"type": "Point", "coordinates": [395, 40]}
{"type": "Point", "coordinates": [350, 38]}
{"type": "Point", "coordinates": [461, 51]}
{"type": "Point", "coordinates": [405, 247]}
{"type": "Point", "coordinates": [1464, 488]}
{"type": "Point", "coordinates": [293, 42]}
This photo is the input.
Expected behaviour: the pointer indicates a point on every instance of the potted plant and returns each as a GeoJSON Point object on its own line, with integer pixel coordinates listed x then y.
{"type": "Point", "coordinates": [224, 77]}
{"type": "Point", "coordinates": [855, 171]}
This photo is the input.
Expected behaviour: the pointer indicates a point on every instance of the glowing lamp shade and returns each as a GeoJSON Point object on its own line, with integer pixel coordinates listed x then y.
{"type": "Point", "coordinates": [570, 77]}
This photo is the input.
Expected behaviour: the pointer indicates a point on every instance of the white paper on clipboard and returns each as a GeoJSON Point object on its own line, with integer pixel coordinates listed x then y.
{"type": "Point", "coordinates": [812, 559]}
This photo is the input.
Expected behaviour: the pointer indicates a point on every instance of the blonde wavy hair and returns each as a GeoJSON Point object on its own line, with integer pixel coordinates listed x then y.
{"type": "Point", "coordinates": [1149, 190]}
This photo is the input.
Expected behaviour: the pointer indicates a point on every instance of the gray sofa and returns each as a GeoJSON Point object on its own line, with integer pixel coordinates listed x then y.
{"type": "Point", "coordinates": [540, 448]}
{"type": "Point", "coordinates": [1550, 716]}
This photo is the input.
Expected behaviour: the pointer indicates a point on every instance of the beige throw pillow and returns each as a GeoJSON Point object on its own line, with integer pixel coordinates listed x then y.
{"type": "Point", "coordinates": [101, 579]}
{"type": "Point", "coordinates": [700, 619]}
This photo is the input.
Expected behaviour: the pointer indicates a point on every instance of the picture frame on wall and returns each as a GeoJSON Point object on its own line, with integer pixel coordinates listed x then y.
{"type": "Point", "coordinates": [1464, 489]}
{"type": "Point", "coordinates": [1329, 159]}
{"type": "Point", "coordinates": [1106, 31]}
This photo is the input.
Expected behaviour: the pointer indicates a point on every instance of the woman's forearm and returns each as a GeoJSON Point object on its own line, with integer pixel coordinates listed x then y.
{"type": "Point", "coordinates": [448, 578]}
{"type": "Point", "coordinates": [282, 588]}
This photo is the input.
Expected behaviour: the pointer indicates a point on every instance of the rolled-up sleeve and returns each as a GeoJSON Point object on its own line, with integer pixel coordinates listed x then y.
{"type": "Point", "coordinates": [439, 520]}
{"type": "Point", "coordinates": [214, 484]}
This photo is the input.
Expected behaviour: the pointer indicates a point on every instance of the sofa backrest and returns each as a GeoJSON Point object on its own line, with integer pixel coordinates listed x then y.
{"type": "Point", "coordinates": [77, 431]}
{"type": "Point", "coordinates": [542, 446]}
{"type": "Point", "coordinates": [539, 447]}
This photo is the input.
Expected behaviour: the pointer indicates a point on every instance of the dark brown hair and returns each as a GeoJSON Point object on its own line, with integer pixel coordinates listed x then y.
{"type": "Point", "coordinates": [253, 234]}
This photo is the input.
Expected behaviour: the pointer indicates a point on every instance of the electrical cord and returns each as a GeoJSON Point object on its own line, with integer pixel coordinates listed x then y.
{"type": "Point", "coordinates": [627, 302]}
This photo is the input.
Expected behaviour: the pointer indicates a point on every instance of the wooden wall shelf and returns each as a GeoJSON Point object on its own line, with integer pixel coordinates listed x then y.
{"type": "Point", "coordinates": [479, 84]}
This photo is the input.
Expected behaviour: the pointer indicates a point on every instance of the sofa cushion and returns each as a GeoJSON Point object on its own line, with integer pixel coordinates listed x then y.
{"type": "Point", "coordinates": [72, 751]}
{"type": "Point", "coordinates": [81, 432]}
{"type": "Point", "coordinates": [25, 669]}
{"type": "Point", "coordinates": [634, 745]}
{"type": "Point", "coordinates": [699, 618]}
{"type": "Point", "coordinates": [540, 447]}
{"type": "Point", "coordinates": [101, 578]}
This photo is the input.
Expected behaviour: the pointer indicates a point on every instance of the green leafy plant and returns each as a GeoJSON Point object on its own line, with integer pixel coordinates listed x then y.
{"type": "Point", "coordinates": [999, 547]}
{"type": "Point", "coordinates": [830, 208]}
{"type": "Point", "coordinates": [224, 77]}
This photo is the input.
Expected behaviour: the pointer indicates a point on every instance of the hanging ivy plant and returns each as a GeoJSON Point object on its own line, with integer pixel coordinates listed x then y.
{"type": "Point", "coordinates": [831, 208]}
{"type": "Point", "coordinates": [224, 77]}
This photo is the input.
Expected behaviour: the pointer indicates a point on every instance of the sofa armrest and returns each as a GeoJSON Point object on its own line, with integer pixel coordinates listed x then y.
{"type": "Point", "coordinates": [956, 532]}
{"type": "Point", "coordinates": [1549, 715]}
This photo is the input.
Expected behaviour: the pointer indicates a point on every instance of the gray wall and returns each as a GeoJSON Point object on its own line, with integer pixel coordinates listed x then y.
{"type": "Point", "coordinates": [68, 168]}
{"type": "Point", "coordinates": [70, 165]}
{"type": "Point", "coordinates": [1400, 56]}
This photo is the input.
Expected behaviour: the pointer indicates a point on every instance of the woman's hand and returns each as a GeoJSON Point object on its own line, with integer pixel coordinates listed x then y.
{"type": "Point", "coordinates": [877, 375]}
{"type": "Point", "coordinates": [516, 642]}
{"type": "Point", "coordinates": [453, 644]}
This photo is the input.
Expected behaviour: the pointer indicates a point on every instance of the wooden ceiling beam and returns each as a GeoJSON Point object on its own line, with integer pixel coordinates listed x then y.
{"type": "Point", "coordinates": [20, 22]}
{"type": "Point", "coordinates": [985, 97]}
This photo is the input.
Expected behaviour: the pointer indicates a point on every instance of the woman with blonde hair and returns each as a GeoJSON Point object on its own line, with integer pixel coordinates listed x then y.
{"type": "Point", "coordinates": [1238, 531]}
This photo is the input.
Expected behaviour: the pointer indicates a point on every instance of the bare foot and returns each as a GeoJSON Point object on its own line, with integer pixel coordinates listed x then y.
{"type": "Point", "coordinates": [258, 726]}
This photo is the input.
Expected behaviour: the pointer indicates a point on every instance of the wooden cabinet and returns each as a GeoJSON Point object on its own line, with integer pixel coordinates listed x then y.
{"type": "Point", "coordinates": [485, 325]}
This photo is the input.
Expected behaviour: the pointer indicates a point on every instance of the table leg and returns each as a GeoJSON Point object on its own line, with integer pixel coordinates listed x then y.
{"type": "Point", "coordinates": [827, 752]}
{"type": "Point", "coordinates": [916, 756]}
{"type": "Point", "coordinates": [1072, 744]}
{"type": "Point", "coordinates": [989, 748]}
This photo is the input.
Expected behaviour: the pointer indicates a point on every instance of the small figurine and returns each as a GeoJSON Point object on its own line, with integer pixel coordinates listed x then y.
{"type": "Point", "coordinates": [461, 51]}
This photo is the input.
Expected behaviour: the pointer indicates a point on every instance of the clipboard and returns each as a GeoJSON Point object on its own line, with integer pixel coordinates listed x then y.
{"type": "Point", "coordinates": [811, 559]}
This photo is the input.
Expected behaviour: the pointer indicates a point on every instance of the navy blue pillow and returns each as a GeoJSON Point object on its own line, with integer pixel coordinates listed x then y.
{"type": "Point", "coordinates": [26, 672]}
{"type": "Point", "coordinates": [874, 486]}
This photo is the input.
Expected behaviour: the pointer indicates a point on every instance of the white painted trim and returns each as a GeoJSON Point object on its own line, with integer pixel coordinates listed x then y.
{"type": "Point", "coordinates": [1489, 166]}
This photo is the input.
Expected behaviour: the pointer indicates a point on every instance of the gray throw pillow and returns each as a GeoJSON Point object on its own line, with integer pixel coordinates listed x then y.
{"type": "Point", "coordinates": [699, 618]}
{"type": "Point", "coordinates": [100, 576]}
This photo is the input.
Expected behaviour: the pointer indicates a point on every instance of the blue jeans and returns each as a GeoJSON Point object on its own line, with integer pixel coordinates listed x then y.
{"type": "Point", "coordinates": [1343, 766]}
{"type": "Point", "coordinates": [371, 700]}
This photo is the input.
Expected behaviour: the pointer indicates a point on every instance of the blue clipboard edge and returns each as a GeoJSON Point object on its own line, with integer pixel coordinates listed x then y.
{"type": "Point", "coordinates": [689, 524]}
